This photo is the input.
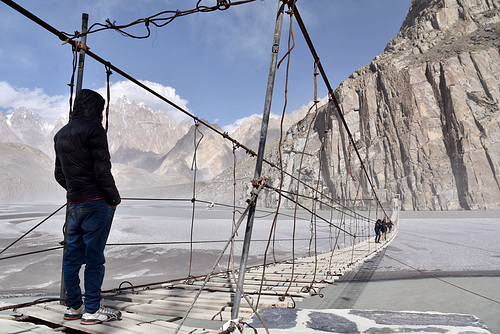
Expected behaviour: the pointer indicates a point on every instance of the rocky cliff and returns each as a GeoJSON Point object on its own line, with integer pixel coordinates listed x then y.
{"type": "Point", "coordinates": [427, 109]}
{"type": "Point", "coordinates": [424, 116]}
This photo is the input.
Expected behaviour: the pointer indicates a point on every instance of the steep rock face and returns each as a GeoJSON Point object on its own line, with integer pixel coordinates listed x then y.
{"type": "Point", "coordinates": [7, 134]}
{"type": "Point", "coordinates": [424, 116]}
{"type": "Point", "coordinates": [200, 149]}
{"type": "Point", "coordinates": [234, 182]}
{"type": "Point", "coordinates": [139, 127]}
{"type": "Point", "coordinates": [428, 108]}
{"type": "Point", "coordinates": [248, 133]}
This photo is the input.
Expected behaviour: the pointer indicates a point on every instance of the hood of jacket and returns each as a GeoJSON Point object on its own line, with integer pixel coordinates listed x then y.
{"type": "Point", "coordinates": [88, 105]}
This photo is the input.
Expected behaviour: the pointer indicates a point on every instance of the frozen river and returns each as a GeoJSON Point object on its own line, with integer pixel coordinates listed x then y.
{"type": "Point", "coordinates": [459, 249]}
{"type": "Point", "coordinates": [149, 242]}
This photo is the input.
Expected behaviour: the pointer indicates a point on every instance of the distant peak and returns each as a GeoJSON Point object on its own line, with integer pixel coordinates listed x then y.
{"type": "Point", "coordinates": [123, 100]}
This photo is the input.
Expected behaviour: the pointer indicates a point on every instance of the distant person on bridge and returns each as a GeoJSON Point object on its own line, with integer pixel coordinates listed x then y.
{"type": "Point", "coordinates": [83, 168]}
{"type": "Point", "coordinates": [384, 229]}
{"type": "Point", "coordinates": [378, 227]}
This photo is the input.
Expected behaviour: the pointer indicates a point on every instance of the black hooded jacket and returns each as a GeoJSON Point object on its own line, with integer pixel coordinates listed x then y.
{"type": "Point", "coordinates": [83, 165]}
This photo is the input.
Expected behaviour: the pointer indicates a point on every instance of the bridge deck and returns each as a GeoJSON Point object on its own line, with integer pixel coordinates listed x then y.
{"type": "Point", "coordinates": [158, 309]}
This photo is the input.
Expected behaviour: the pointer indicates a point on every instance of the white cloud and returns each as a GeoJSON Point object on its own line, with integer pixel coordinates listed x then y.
{"type": "Point", "coordinates": [138, 94]}
{"type": "Point", "coordinates": [51, 107]}
{"type": "Point", "coordinates": [230, 128]}
{"type": "Point", "coordinates": [238, 33]}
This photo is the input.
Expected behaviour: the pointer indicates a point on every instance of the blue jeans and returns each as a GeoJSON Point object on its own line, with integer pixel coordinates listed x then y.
{"type": "Point", "coordinates": [89, 224]}
{"type": "Point", "coordinates": [377, 237]}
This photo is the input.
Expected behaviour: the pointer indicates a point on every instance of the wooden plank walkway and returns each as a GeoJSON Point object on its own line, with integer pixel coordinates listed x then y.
{"type": "Point", "coordinates": [159, 309]}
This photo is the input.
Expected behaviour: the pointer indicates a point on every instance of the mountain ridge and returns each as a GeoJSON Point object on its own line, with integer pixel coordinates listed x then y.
{"type": "Point", "coordinates": [149, 145]}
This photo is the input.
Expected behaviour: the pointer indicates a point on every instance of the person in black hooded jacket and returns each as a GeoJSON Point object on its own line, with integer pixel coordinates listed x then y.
{"type": "Point", "coordinates": [83, 168]}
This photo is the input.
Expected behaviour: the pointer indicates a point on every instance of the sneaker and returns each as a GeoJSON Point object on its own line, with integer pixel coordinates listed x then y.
{"type": "Point", "coordinates": [73, 314]}
{"type": "Point", "coordinates": [101, 315]}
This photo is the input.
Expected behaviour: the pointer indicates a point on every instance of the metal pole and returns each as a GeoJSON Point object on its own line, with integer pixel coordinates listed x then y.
{"type": "Point", "coordinates": [81, 57]}
{"type": "Point", "coordinates": [260, 155]}
{"type": "Point", "coordinates": [79, 82]}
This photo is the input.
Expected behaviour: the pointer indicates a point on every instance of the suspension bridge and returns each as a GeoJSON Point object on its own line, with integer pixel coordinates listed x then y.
{"type": "Point", "coordinates": [340, 238]}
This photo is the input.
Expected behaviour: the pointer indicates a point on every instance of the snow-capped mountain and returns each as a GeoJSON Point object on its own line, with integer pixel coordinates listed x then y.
{"type": "Point", "coordinates": [148, 148]}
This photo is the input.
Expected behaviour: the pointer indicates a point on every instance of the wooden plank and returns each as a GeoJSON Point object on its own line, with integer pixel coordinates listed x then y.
{"type": "Point", "coordinates": [136, 324]}
{"type": "Point", "coordinates": [266, 282]}
{"type": "Point", "coordinates": [8, 324]}
{"type": "Point", "coordinates": [179, 303]}
{"type": "Point", "coordinates": [211, 297]}
{"type": "Point", "coordinates": [295, 291]}
{"type": "Point", "coordinates": [204, 299]}
{"type": "Point", "coordinates": [176, 312]}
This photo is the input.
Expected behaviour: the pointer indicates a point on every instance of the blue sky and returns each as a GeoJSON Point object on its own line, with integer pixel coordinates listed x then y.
{"type": "Point", "coordinates": [213, 64]}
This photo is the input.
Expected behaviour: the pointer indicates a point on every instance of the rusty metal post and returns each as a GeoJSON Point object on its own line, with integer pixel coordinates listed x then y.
{"type": "Point", "coordinates": [81, 56]}
{"type": "Point", "coordinates": [260, 155]}
{"type": "Point", "coordinates": [79, 83]}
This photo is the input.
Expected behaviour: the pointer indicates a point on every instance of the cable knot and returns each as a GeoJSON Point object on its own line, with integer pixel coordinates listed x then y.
{"type": "Point", "coordinates": [126, 282]}
{"type": "Point", "coordinates": [80, 46]}
{"type": "Point", "coordinates": [223, 4]}
{"type": "Point", "coordinates": [305, 289]}
{"type": "Point", "coordinates": [190, 280]}
{"type": "Point", "coordinates": [262, 179]}
{"type": "Point", "coordinates": [108, 68]}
